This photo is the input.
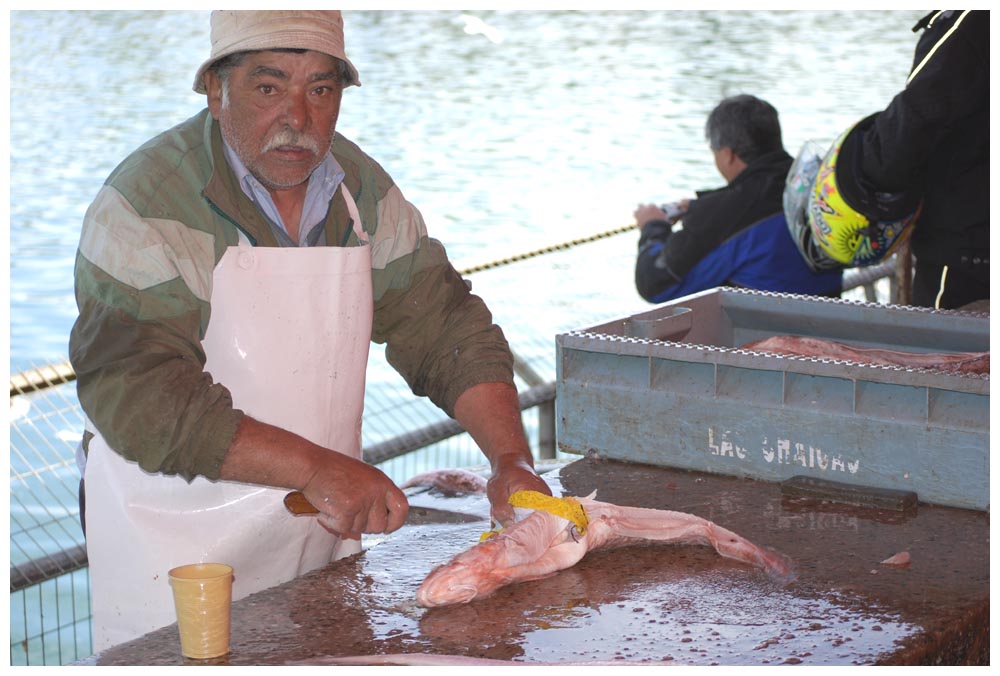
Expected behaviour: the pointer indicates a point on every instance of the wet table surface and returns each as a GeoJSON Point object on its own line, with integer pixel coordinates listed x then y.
{"type": "Point", "coordinates": [659, 604]}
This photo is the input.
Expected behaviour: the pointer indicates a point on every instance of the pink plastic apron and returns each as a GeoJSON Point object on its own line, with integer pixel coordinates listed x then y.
{"type": "Point", "coordinates": [289, 337]}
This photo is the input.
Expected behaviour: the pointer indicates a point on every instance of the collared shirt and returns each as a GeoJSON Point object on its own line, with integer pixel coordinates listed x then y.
{"type": "Point", "coordinates": [323, 183]}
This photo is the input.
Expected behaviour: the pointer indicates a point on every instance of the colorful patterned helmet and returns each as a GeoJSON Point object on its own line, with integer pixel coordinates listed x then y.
{"type": "Point", "coordinates": [847, 236]}
{"type": "Point", "coordinates": [795, 200]}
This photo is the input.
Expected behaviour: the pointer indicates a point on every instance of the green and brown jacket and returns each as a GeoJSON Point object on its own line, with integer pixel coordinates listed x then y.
{"type": "Point", "coordinates": [150, 243]}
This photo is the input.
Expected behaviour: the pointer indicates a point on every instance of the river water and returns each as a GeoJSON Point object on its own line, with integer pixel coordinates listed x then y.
{"type": "Point", "coordinates": [510, 130]}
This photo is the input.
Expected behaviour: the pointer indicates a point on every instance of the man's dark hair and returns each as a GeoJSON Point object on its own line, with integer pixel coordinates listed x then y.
{"type": "Point", "coordinates": [223, 66]}
{"type": "Point", "coordinates": [746, 124]}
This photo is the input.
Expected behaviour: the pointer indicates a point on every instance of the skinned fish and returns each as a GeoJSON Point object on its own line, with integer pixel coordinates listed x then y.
{"type": "Point", "coordinates": [542, 544]}
{"type": "Point", "coordinates": [804, 346]}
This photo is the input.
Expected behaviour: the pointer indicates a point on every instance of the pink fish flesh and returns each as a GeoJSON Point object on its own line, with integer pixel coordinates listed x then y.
{"type": "Point", "coordinates": [900, 559]}
{"type": "Point", "coordinates": [454, 480]}
{"type": "Point", "coordinates": [542, 544]}
{"type": "Point", "coordinates": [803, 346]}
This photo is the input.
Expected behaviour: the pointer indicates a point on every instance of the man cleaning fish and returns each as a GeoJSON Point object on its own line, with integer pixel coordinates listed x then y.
{"type": "Point", "coordinates": [231, 274]}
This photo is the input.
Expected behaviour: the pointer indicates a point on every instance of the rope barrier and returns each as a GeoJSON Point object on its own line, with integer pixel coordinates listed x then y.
{"type": "Point", "coordinates": [549, 249]}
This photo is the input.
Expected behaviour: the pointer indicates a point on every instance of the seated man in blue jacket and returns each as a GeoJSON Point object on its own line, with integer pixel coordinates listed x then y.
{"type": "Point", "coordinates": [732, 236]}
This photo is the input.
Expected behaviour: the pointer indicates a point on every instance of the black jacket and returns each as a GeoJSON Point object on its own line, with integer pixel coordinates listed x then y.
{"type": "Point", "coordinates": [932, 142]}
{"type": "Point", "coordinates": [711, 219]}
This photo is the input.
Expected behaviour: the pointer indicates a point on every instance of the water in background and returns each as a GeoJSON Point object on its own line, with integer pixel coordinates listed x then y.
{"type": "Point", "coordinates": [510, 130]}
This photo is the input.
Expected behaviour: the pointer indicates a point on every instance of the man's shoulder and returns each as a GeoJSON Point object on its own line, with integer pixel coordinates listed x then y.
{"type": "Point", "coordinates": [775, 162]}
{"type": "Point", "coordinates": [174, 156]}
{"type": "Point", "coordinates": [359, 166]}
{"type": "Point", "coordinates": [761, 178]}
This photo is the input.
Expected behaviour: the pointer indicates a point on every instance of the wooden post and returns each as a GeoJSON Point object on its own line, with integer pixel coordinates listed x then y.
{"type": "Point", "coordinates": [547, 430]}
{"type": "Point", "coordinates": [904, 275]}
{"type": "Point", "coordinates": [546, 410]}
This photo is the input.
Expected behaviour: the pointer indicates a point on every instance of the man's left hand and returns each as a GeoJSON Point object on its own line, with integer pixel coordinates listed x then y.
{"type": "Point", "coordinates": [490, 413]}
{"type": "Point", "coordinates": [648, 212]}
{"type": "Point", "coordinates": [511, 473]}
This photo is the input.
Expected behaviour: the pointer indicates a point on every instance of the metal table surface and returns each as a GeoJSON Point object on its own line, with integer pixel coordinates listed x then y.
{"type": "Point", "coordinates": [657, 604]}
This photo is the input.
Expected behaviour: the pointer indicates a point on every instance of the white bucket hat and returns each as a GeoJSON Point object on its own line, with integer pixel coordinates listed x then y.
{"type": "Point", "coordinates": [241, 31]}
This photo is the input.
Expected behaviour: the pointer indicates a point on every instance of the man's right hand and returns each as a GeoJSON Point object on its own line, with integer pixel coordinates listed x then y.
{"type": "Point", "coordinates": [352, 496]}
{"type": "Point", "coordinates": [645, 213]}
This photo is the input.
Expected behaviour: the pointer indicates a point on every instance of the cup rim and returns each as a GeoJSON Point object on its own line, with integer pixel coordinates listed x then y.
{"type": "Point", "coordinates": [200, 571]}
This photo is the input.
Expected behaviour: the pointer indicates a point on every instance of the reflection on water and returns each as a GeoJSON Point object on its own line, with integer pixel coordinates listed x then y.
{"type": "Point", "coordinates": [511, 130]}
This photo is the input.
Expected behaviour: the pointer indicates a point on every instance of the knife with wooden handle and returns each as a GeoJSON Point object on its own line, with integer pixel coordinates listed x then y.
{"type": "Point", "coordinates": [297, 504]}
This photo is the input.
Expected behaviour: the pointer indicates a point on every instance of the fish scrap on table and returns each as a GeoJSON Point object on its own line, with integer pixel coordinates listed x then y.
{"type": "Point", "coordinates": [449, 481]}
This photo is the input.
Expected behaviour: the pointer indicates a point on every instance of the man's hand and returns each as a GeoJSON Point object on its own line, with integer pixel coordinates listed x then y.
{"type": "Point", "coordinates": [511, 473]}
{"type": "Point", "coordinates": [352, 496]}
{"type": "Point", "coordinates": [648, 212]}
{"type": "Point", "coordinates": [491, 414]}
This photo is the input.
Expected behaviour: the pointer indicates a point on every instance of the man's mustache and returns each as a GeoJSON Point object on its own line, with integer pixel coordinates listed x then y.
{"type": "Point", "coordinates": [289, 137]}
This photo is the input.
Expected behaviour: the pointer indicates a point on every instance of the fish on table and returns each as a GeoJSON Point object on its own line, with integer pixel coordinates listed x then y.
{"type": "Point", "coordinates": [558, 532]}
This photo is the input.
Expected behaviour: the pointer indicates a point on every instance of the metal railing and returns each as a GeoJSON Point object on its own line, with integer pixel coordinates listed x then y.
{"type": "Point", "coordinates": [50, 594]}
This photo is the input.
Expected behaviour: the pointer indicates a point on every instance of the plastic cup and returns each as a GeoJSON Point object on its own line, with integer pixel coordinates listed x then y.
{"type": "Point", "coordinates": [203, 594]}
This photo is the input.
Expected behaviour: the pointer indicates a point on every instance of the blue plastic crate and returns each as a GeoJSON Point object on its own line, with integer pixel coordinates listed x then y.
{"type": "Point", "coordinates": [671, 387]}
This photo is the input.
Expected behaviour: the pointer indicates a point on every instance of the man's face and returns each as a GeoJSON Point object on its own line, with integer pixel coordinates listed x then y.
{"type": "Point", "coordinates": [727, 162]}
{"type": "Point", "coordinates": [278, 113]}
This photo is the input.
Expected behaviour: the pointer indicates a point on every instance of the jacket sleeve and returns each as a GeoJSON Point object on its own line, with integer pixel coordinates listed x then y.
{"type": "Point", "coordinates": [653, 275]}
{"type": "Point", "coordinates": [890, 152]}
{"type": "Point", "coordinates": [142, 287]}
{"type": "Point", "coordinates": [668, 258]}
{"type": "Point", "coordinates": [713, 269]}
{"type": "Point", "coordinates": [439, 336]}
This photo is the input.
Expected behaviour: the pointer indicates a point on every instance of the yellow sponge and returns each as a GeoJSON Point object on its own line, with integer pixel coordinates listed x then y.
{"type": "Point", "coordinates": [566, 508]}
